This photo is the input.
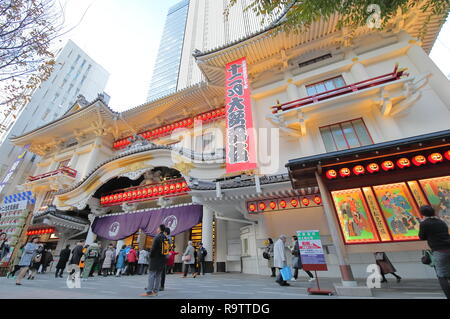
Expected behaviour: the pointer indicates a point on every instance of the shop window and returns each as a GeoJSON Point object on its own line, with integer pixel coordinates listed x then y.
{"type": "Point", "coordinates": [345, 135]}
{"type": "Point", "coordinates": [437, 191]}
{"type": "Point", "coordinates": [326, 85]}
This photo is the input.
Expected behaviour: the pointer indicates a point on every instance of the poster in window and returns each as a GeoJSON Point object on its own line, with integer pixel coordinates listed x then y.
{"type": "Point", "coordinates": [437, 191]}
{"type": "Point", "coordinates": [399, 210]}
{"type": "Point", "coordinates": [354, 217]}
{"type": "Point", "coordinates": [378, 218]}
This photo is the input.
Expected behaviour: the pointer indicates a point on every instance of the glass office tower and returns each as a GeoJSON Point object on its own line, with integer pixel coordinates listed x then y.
{"type": "Point", "coordinates": [167, 65]}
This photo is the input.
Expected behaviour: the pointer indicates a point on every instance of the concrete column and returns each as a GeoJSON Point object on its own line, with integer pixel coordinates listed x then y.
{"type": "Point", "coordinates": [302, 91]}
{"type": "Point", "coordinates": [207, 229]}
{"type": "Point", "coordinates": [119, 246]}
{"type": "Point", "coordinates": [221, 240]}
{"type": "Point", "coordinates": [438, 81]}
{"type": "Point", "coordinates": [345, 268]}
{"type": "Point", "coordinates": [74, 160]}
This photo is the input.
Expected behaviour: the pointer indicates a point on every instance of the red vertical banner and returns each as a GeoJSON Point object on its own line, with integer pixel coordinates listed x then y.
{"type": "Point", "coordinates": [240, 140]}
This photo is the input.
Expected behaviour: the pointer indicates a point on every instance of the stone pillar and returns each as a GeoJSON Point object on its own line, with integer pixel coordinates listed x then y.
{"type": "Point", "coordinates": [438, 81]}
{"type": "Point", "coordinates": [91, 236]}
{"type": "Point", "coordinates": [207, 231]}
{"type": "Point", "coordinates": [345, 268]}
{"type": "Point", "coordinates": [119, 246]}
{"type": "Point", "coordinates": [221, 245]}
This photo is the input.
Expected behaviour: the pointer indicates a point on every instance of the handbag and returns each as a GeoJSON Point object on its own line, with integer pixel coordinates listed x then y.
{"type": "Point", "coordinates": [286, 273]}
{"type": "Point", "coordinates": [427, 257]}
{"type": "Point", "coordinates": [186, 258]}
{"type": "Point", "coordinates": [379, 256]}
{"type": "Point", "coordinates": [266, 255]}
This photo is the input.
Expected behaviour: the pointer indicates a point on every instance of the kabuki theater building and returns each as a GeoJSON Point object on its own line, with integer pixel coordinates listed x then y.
{"type": "Point", "coordinates": [345, 133]}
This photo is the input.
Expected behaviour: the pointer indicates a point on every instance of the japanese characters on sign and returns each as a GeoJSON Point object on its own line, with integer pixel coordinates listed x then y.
{"type": "Point", "coordinates": [240, 147]}
{"type": "Point", "coordinates": [311, 250]}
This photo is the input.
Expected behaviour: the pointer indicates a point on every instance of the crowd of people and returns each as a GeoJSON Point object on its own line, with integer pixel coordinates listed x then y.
{"type": "Point", "coordinates": [159, 260]}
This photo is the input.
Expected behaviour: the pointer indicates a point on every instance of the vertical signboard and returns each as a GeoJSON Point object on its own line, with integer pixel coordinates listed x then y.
{"type": "Point", "coordinates": [240, 142]}
{"type": "Point", "coordinates": [311, 250]}
{"type": "Point", "coordinates": [13, 168]}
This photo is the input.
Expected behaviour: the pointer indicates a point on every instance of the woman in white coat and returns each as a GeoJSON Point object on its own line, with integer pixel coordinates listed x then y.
{"type": "Point", "coordinates": [280, 259]}
{"type": "Point", "coordinates": [189, 260]}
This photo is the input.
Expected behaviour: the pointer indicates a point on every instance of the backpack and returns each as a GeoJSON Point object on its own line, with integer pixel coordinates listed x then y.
{"type": "Point", "coordinates": [93, 254]}
{"type": "Point", "coordinates": [37, 258]}
{"type": "Point", "coordinates": [204, 253]}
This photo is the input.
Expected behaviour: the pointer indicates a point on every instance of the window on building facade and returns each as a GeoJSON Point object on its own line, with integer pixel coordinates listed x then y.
{"type": "Point", "coordinates": [326, 85]}
{"type": "Point", "coordinates": [345, 135]}
{"type": "Point", "coordinates": [45, 114]}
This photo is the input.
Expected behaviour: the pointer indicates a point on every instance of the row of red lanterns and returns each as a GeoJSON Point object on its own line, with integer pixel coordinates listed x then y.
{"type": "Point", "coordinates": [388, 165]}
{"type": "Point", "coordinates": [262, 206]}
{"type": "Point", "coordinates": [167, 129]}
{"type": "Point", "coordinates": [40, 232]}
{"type": "Point", "coordinates": [148, 192]}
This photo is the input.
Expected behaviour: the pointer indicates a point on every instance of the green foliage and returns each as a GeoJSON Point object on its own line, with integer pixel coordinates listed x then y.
{"type": "Point", "coordinates": [353, 13]}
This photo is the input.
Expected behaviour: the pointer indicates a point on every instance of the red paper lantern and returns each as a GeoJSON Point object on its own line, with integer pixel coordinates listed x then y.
{"type": "Point", "coordinates": [272, 205]}
{"type": "Point", "coordinates": [262, 206]}
{"type": "Point", "coordinates": [358, 170]}
{"type": "Point", "coordinates": [344, 172]}
{"type": "Point", "coordinates": [178, 187]}
{"type": "Point", "coordinates": [331, 174]}
{"type": "Point", "coordinates": [160, 190]}
{"type": "Point", "coordinates": [115, 198]}
{"type": "Point", "coordinates": [403, 162]}
{"type": "Point", "coordinates": [283, 204]}
{"type": "Point", "coordinates": [166, 189]}
{"type": "Point", "coordinates": [149, 192]}
{"type": "Point", "coordinates": [435, 158]}
{"type": "Point", "coordinates": [305, 201]}
{"type": "Point", "coordinates": [419, 160]}
{"type": "Point", "coordinates": [447, 155]}
{"type": "Point", "coordinates": [129, 195]}
{"type": "Point", "coordinates": [252, 207]}
{"type": "Point", "coordinates": [119, 197]}
{"type": "Point", "coordinates": [155, 191]}
{"type": "Point", "coordinates": [373, 168]}
{"type": "Point", "coordinates": [172, 188]}
{"type": "Point", "coordinates": [294, 202]}
{"type": "Point", "coordinates": [387, 166]}
{"type": "Point", "coordinates": [317, 200]}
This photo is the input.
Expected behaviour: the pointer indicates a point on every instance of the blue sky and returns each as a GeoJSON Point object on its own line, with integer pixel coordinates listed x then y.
{"type": "Point", "coordinates": [123, 36]}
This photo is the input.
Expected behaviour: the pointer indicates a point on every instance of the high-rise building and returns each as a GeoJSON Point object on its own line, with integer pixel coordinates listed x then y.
{"type": "Point", "coordinates": [75, 74]}
{"type": "Point", "coordinates": [199, 25]}
{"type": "Point", "coordinates": [167, 65]}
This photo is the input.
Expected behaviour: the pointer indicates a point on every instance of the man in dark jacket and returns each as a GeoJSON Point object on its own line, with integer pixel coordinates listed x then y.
{"type": "Point", "coordinates": [157, 263]}
{"type": "Point", "coordinates": [77, 253]}
{"type": "Point", "coordinates": [63, 259]}
{"type": "Point", "coordinates": [201, 258]}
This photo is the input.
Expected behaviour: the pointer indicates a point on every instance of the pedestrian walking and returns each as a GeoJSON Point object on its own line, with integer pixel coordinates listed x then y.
{"type": "Point", "coordinates": [157, 262]}
{"type": "Point", "coordinates": [167, 240]}
{"type": "Point", "coordinates": [64, 256]}
{"type": "Point", "coordinates": [91, 254]}
{"type": "Point", "coordinates": [171, 260]}
{"type": "Point", "coordinates": [202, 252]}
{"type": "Point", "coordinates": [142, 261]}
{"type": "Point", "coordinates": [108, 260]}
{"type": "Point", "coordinates": [280, 259]}
{"type": "Point", "coordinates": [15, 264]}
{"type": "Point", "coordinates": [132, 261]}
{"type": "Point", "coordinates": [29, 252]}
{"type": "Point", "coordinates": [4, 247]}
{"type": "Point", "coordinates": [37, 262]}
{"type": "Point", "coordinates": [121, 257]}
{"type": "Point", "coordinates": [268, 254]}
{"type": "Point", "coordinates": [83, 258]}
{"type": "Point", "coordinates": [188, 259]}
{"type": "Point", "coordinates": [386, 266]}
{"type": "Point", "coordinates": [435, 232]}
{"type": "Point", "coordinates": [75, 260]}
{"type": "Point", "coordinates": [47, 258]}
{"type": "Point", "coordinates": [297, 260]}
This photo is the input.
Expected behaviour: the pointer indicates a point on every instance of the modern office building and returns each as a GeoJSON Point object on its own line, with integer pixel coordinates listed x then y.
{"type": "Point", "coordinates": [75, 74]}
{"type": "Point", "coordinates": [202, 25]}
{"type": "Point", "coordinates": [167, 66]}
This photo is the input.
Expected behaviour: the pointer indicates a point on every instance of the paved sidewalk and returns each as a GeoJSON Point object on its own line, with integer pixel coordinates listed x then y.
{"type": "Point", "coordinates": [211, 286]}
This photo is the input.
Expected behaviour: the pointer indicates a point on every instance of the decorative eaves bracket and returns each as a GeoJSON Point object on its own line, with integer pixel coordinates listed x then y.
{"type": "Point", "coordinates": [294, 126]}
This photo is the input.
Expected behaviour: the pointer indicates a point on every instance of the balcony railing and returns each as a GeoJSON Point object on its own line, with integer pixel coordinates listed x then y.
{"type": "Point", "coordinates": [64, 170]}
{"type": "Point", "coordinates": [170, 188]}
{"type": "Point", "coordinates": [358, 86]}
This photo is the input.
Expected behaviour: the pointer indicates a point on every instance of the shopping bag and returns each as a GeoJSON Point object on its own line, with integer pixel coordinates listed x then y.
{"type": "Point", "coordinates": [286, 273]}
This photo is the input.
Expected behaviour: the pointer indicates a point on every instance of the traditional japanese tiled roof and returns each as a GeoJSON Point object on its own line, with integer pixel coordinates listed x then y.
{"type": "Point", "coordinates": [62, 215]}
{"type": "Point", "coordinates": [240, 181]}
